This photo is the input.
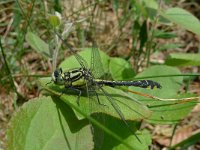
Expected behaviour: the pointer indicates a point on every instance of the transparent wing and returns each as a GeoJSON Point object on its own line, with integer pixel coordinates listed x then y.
{"type": "Point", "coordinates": [98, 134]}
{"type": "Point", "coordinates": [117, 109]}
{"type": "Point", "coordinates": [96, 64]}
{"type": "Point", "coordinates": [80, 59]}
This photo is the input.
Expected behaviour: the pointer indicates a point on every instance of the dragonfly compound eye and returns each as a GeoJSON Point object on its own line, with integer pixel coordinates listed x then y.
{"type": "Point", "coordinates": [56, 73]}
{"type": "Point", "coordinates": [57, 77]}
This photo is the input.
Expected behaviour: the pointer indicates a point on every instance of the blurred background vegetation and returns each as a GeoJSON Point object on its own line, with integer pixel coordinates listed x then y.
{"type": "Point", "coordinates": [140, 31]}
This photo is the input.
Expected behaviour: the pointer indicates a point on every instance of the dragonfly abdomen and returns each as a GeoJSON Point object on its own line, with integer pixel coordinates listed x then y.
{"type": "Point", "coordinates": [138, 83]}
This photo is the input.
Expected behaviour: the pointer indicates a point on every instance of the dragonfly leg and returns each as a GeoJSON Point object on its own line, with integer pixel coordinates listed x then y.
{"type": "Point", "coordinates": [79, 93]}
{"type": "Point", "coordinates": [97, 97]}
{"type": "Point", "coordinates": [63, 92]}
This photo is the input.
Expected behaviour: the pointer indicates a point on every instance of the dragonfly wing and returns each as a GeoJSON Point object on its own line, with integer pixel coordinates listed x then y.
{"type": "Point", "coordinates": [80, 59]}
{"type": "Point", "coordinates": [117, 109]}
{"type": "Point", "coordinates": [96, 64]}
{"type": "Point", "coordinates": [98, 134]}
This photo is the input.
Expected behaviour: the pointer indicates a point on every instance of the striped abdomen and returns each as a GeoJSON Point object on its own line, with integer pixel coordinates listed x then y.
{"type": "Point", "coordinates": [138, 83]}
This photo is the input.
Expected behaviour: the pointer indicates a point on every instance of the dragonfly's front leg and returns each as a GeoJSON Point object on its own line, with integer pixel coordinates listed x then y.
{"type": "Point", "coordinates": [76, 90]}
{"type": "Point", "coordinates": [97, 96]}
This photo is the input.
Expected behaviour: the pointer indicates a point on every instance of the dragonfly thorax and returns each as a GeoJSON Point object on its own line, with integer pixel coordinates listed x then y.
{"type": "Point", "coordinates": [77, 77]}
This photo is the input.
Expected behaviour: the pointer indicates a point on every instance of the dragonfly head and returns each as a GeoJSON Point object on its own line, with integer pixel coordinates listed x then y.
{"type": "Point", "coordinates": [57, 76]}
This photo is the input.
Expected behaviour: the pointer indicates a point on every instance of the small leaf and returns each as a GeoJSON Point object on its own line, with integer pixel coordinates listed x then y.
{"type": "Point", "coordinates": [151, 4]}
{"type": "Point", "coordinates": [37, 44]}
{"type": "Point", "coordinates": [181, 59]}
{"type": "Point", "coordinates": [151, 7]}
{"type": "Point", "coordinates": [183, 18]}
{"type": "Point", "coordinates": [164, 35]}
{"type": "Point", "coordinates": [168, 46]}
{"type": "Point", "coordinates": [43, 123]}
{"type": "Point", "coordinates": [54, 21]}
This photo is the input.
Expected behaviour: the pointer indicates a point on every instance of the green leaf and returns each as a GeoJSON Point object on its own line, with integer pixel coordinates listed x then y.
{"type": "Point", "coordinates": [151, 7]}
{"type": "Point", "coordinates": [140, 8]}
{"type": "Point", "coordinates": [143, 135]}
{"type": "Point", "coordinates": [120, 69]}
{"type": "Point", "coordinates": [151, 4]}
{"type": "Point", "coordinates": [168, 46]}
{"type": "Point", "coordinates": [118, 127]}
{"type": "Point", "coordinates": [170, 84]}
{"type": "Point", "coordinates": [43, 123]}
{"type": "Point", "coordinates": [143, 35]}
{"type": "Point", "coordinates": [164, 35]}
{"type": "Point", "coordinates": [183, 18]}
{"type": "Point", "coordinates": [181, 59]}
{"type": "Point", "coordinates": [54, 21]}
{"type": "Point", "coordinates": [163, 111]}
{"type": "Point", "coordinates": [38, 44]}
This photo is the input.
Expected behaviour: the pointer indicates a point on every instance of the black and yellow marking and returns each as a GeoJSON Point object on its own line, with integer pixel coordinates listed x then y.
{"type": "Point", "coordinates": [138, 83]}
{"type": "Point", "coordinates": [80, 77]}
{"type": "Point", "coordinates": [76, 78]}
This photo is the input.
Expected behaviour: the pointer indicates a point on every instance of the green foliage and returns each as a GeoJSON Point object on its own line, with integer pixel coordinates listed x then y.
{"type": "Point", "coordinates": [38, 44]}
{"type": "Point", "coordinates": [164, 35]}
{"type": "Point", "coordinates": [120, 69]}
{"type": "Point", "coordinates": [45, 123]}
{"type": "Point", "coordinates": [170, 84]}
{"type": "Point", "coordinates": [183, 18]}
{"type": "Point", "coordinates": [61, 123]}
{"type": "Point", "coordinates": [163, 111]}
{"type": "Point", "coordinates": [181, 59]}
{"type": "Point", "coordinates": [58, 122]}
{"type": "Point", "coordinates": [168, 46]}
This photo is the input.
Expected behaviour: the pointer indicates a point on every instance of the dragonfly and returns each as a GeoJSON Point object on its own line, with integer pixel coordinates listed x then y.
{"type": "Point", "coordinates": [85, 78]}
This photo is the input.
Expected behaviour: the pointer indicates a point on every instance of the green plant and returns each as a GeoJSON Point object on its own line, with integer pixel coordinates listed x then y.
{"type": "Point", "coordinates": [139, 108]}
{"type": "Point", "coordinates": [57, 116]}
